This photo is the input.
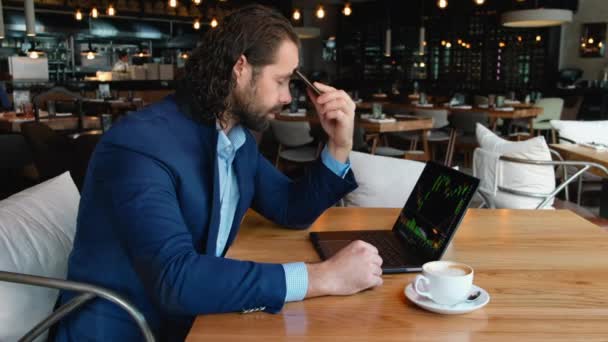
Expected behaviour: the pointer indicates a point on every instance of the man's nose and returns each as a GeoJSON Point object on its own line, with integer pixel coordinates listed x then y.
{"type": "Point", "coordinates": [285, 97]}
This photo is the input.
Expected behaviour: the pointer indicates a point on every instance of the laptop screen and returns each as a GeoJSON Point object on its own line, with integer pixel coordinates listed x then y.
{"type": "Point", "coordinates": [434, 209]}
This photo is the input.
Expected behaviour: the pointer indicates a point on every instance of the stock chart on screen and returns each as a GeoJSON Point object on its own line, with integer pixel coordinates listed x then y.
{"type": "Point", "coordinates": [434, 208]}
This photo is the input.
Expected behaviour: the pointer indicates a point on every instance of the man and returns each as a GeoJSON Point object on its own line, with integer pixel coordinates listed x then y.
{"type": "Point", "coordinates": [167, 188]}
{"type": "Point", "coordinates": [122, 64]}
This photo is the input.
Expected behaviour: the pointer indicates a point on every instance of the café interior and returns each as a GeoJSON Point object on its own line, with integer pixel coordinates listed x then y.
{"type": "Point", "coordinates": [511, 92]}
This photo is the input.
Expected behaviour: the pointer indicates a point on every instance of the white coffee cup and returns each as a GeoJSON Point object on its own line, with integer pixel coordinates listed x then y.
{"type": "Point", "coordinates": [444, 282]}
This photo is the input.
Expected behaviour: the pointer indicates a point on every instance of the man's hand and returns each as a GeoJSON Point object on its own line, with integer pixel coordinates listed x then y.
{"type": "Point", "coordinates": [337, 114]}
{"type": "Point", "coordinates": [353, 269]}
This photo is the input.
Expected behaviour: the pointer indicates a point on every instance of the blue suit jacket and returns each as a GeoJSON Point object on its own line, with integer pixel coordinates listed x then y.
{"type": "Point", "coordinates": [148, 224]}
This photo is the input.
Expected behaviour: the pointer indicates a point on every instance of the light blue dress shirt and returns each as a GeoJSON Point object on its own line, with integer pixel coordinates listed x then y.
{"type": "Point", "coordinates": [296, 274]}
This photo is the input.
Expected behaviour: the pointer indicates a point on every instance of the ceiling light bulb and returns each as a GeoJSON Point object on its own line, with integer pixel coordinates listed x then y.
{"type": "Point", "coordinates": [320, 12]}
{"type": "Point", "coordinates": [442, 4]}
{"type": "Point", "coordinates": [448, 45]}
{"type": "Point", "coordinates": [347, 10]}
{"type": "Point", "coordinates": [197, 24]}
{"type": "Point", "coordinates": [78, 15]}
{"type": "Point", "coordinates": [184, 56]}
{"type": "Point", "coordinates": [296, 14]}
{"type": "Point", "coordinates": [479, 2]}
{"type": "Point", "coordinates": [443, 43]}
{"type": "Point", "coordinates": [90, 55]}
{"type": "Point", "coordinates": [197, 2]}
{"type": "Point", "coordinates": [538, 38]}
{"type": "Point", "coordinates": [173, 3]}
{"type": "Point", "coordinates": [590, 40]}
{"type": "Point", "coordinates": [111, 11]}
{"type": "Point", "coordinates": [214, 23]}
{"type": "Point", "coordinates": [94, 12]}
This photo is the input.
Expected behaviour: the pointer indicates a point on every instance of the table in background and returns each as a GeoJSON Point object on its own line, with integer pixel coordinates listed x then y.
{"type": "Point", "coordinates": [582, 153]}
{"type": "Point", "coordinates": [11, 123]}
{"type": "Point", "coordinates": [546, 272]}
{"type": "Point", "coordinates": [378, 128]}
{"type": "Point", "coordinates": [520, 111]}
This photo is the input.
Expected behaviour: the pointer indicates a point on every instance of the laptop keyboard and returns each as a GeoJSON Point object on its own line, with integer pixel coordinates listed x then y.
{"type": "Point", "coordinates": [389, 248]}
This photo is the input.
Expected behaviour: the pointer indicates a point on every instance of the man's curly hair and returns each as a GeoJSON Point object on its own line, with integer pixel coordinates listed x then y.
{"type": "Point", "coordinates": [253, 31]}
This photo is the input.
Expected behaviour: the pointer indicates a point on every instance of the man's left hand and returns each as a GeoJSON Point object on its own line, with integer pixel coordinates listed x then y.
{"type": "Point", "coordinates": [337, 114]}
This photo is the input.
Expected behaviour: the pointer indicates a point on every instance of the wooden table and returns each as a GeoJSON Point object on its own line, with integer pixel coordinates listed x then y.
{"type": "Point", "coordinates": [577, 152]}
{"type": "Point", "coordinates": [521, 111]}
{"type": "Point", "coordinates": [11, 123]}
{"type": "Point", "coordinates": [546, 272]}
{"type": "Point", "coordinates": [377, 129]}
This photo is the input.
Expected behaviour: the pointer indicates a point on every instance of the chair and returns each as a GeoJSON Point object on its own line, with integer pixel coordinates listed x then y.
{"type": "Point", "coordinates": [521, 175]}
{"type": "Point", "coordinates": [572, 106]}
{"type": "Point", "coordinates": [547, 196]}
{"type": "Point", "coordinates": [382, 181]}
{"type": "Point", "coordinates": [391, 151]}
{"type": "Point", "coordinates": [294, 141]}
{"type": "Point", "coordinates": [54, 153]}
{"type": "Point", "coordinates": [438, 134]}
{"type": "Point", "coordinates": [15, 155]}
{"type": "Point", "coordinates": [65, 101]}
{"type": "Point", "coordinates": [465, 123]}
{"type": "Point", "coordinates": [51, 151]}
{"type": "Point", "coordinates": [552, 110]}
{"type": "Point", "coordinates": [36, 243]}
{"type": "Point", "coordinates": [573, 132]}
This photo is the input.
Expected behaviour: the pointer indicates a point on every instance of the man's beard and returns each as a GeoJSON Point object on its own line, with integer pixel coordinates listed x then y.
{"type": "Point", "coordinates": [248, 113]}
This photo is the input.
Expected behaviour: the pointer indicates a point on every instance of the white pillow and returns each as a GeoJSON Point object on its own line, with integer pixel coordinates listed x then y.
{"type": "Point", "coordinates": [582, 131]}
{"type": "Point", "coordinates": [383, 181]}
{"type": "Point", "coordinates": [37, 229]}
{"type": "Point", "coordinates": [517, 176]}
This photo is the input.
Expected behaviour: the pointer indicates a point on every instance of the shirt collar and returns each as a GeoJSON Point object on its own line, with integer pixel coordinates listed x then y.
{"type": "Point", "coordinates": [227, 145]}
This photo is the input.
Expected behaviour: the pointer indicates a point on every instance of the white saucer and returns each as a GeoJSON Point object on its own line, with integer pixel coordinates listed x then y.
{"type": "Point", "coordinates": [456, 309]}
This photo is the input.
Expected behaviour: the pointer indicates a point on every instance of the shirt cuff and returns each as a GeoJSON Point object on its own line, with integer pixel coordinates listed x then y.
{"type": "Point", "coordinates": [340, 169]}
{"type": "Point", "coordinates": [296, 281]}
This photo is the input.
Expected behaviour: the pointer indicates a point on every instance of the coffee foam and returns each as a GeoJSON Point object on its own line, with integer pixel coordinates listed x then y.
{"type": "Point", "coordinates": [451, 270]}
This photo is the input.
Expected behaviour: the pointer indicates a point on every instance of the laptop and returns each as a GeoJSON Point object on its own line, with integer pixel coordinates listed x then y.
{"type": "Point", "coordinates": [424, 228]}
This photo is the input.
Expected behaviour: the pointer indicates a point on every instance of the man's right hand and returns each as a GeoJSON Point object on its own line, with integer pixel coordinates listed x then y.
{"type": "Point", "coordinates": [354, 268]}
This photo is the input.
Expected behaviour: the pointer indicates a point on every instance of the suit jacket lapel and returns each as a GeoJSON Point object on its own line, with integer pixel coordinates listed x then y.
{"type": "Point", "coordinates": [214, 222]}
{"type": "Point", "coordinates": [208, 134]}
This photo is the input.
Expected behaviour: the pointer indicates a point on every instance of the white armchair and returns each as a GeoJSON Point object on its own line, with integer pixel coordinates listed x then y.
{"type": "Point", "coordinates": [37, 228]}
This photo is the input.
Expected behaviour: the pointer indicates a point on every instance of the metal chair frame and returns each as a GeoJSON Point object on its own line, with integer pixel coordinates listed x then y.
{"type": "Point", "coordinates": [88, 292]}
{"type": "Point", "coordinates": [584, 166]}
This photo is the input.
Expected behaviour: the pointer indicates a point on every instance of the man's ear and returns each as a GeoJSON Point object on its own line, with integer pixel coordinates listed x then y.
{"type": "Point", "coordinates": [241, 68]}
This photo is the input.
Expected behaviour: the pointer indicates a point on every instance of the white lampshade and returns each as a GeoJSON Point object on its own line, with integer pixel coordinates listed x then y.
{"type": "Point", "coordinates": [539, 17]}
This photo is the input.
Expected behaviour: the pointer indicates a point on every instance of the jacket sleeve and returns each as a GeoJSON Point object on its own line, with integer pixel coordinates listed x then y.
{"type": "Point", "coordinates": [149, 222]}
{"type": "Point", "coordinates": [297, 204]}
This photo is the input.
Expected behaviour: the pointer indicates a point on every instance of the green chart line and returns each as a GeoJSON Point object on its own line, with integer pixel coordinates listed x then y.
{"type": "Point", "coordinates": [442, 185]}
